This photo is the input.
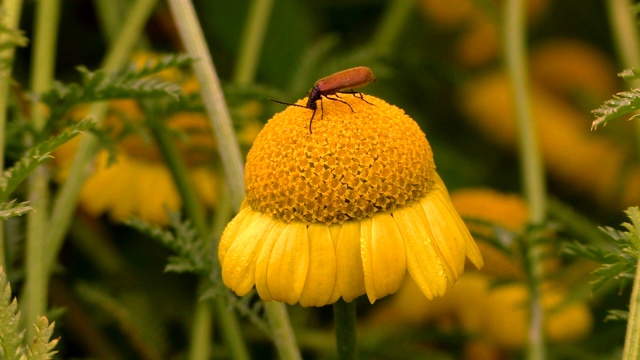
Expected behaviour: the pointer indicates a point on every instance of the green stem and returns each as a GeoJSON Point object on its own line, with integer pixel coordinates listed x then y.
{"type": "Point", "coordinates": [180, 172]}
{"type": "Point", "coordinates": [201, 332]}
{"type": "Point", "coordinates": [11, 14]}
{"type": "Point", "coordinates": [200, 347]}
{"type": "Point", "coordinates": [109, 13]}
{"type": "Point", "coordinates": [632, 340]}
{"type": "Point", "coordinates": [531, 162]}
{"type": "Point", "coordinates": [42, 68]}
{"type": "Point", "coordinates": [624, 27]}
{"type": "Point", "coordinates": [212, 96]}
{"type": "Point", "coordinates": [232, 333]}
{"type": "Point", "coordinates": [252, 40]}
{"type": "Point", "coordinates": [282, 332]}
{"type": "Point", "coordinates": [66, 200]}
{"type": "Point", "coordinates": [391, 25]}
{"type": "Point", "coordinates": [344, 315]}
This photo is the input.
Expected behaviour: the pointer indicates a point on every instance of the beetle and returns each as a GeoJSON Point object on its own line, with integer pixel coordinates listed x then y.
{"type": "Point", "coordinates": [342, 82]}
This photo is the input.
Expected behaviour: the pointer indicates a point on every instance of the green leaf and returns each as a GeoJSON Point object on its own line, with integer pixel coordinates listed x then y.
{"type": "Point", "coordinates": [192, 252]}
{"type": "Point", "coordinates": [42, 348]}
{"type": "Point", "coordinates": [622, 103]}
{"type": "Point", "coordinates": [617, 315]}
{"type": "Point", "coordinates": [36, 156]}
{"type": "Point", "coordinates": [10, 334]}
{"type": "Point", "coordinates": [619, 261]}
{"type": "Point", "coordinates": [102, 85]}
{"type": "Point", "coordinates": [11, 209]}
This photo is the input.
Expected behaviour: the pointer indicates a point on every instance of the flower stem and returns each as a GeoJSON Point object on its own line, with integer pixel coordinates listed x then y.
{"type": "Point", "coordinates": [391, 25]}
{"type": "Point", "coordinates": [200, 347]}
{"type": "Point", "coordinates": [12, 10]}
{"type": "Point", "coordinates": [282, 331]}
{"type": "Point", "coordinates": [212, 96]}
{"type": "Point", "coordinates": [201, 331]}
{"type": "Point", "coordinates": [65, 202]}
{"type": "Point", "coordinates": [531, 163]}
{"type": "Point", "coordinates": [625, 32]}
{"type": "Point", "coordinates": [34, 294]}
{"type": "Point", "coordinates": [632, 339]}
{"type": "Point", "coordinates": [344, 315]}
{"type": "Point", "coordinates": [252, 40]}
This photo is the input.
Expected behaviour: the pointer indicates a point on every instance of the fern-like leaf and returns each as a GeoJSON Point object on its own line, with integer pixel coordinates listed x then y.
{"type": "Point", "coordinates": [622, 103]}
{"type": "Point", "coordinates": [192, 253]}
{"type": "Point", "coordinates": [42, 348]}
{"type": "Point", "coordinates": [156, 65]}
{"type": "Point", "coordinates": [11, 209]}
{"type": "Point", "coordinates": [619, 262]}
{"type": "Point", "coordinates": [12, 38]}
{"type": "Point", "coordinates": [10, 334]}
{"type": "Point", "coordinates": [36, 156]}
{"type": "Point", "coordinates": [102, 85]}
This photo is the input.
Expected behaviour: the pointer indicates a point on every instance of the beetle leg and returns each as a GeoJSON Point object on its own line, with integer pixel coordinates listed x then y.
{"type": "Point", "coordinates": [356, 94]}
{"type": "Point", "coordinates": [342, 101]}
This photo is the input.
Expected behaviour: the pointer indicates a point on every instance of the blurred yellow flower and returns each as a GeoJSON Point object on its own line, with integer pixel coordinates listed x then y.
{"type": "Point", "coordinates": [586, 162]}
{"type": "Point", "coordinates": [508, 324]}
{"type": "Point", "coordinates": [344, 211]}
{"type": "Point", "coordinates": [139, 183]}
{"type": "Point", "coordinates": [574, 69]}
{"type": "Point", "coordinates": [504, 210]}
{"type": "Point", "coordinates": [474, 27]}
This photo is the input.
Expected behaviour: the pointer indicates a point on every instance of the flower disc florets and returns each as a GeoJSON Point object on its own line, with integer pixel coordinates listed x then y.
{"type": "Point", "coordinates": [352, 165]}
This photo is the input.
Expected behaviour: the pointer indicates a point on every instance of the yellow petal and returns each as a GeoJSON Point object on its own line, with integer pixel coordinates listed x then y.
{"type": "Point", "coordinates": [262, 265]}
{"type": "Point", "coordinates": [237, 225]}
{"type": "Point", "coordinates": [423, 262]}
{"type": "Point", "coordinates": [383, 256]}
{"type": "Point", "coordinates": [471, 247]}
{"type": "Point", "coordinates": [350, 274]}
{"type": "Point", "coordinates": [321, 277]}
{"type": "Point", "coordinates": [449, 271]}
{"type": "Point", "coordinates": [446, 231]}
{"type": "Point", "coordinates": [239, 264]}
{"type": "Point", "coordinates": [289, 263]}
{"type": "Point", "coordinates": [334, 230]}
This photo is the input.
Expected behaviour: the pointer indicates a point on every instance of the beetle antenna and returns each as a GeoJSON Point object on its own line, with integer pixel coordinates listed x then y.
{"type": "Point", "coordinates": [286, 103]}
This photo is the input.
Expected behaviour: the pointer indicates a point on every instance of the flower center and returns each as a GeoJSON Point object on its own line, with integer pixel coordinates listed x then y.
{"type": "Point", "coordinates": [354, 164]}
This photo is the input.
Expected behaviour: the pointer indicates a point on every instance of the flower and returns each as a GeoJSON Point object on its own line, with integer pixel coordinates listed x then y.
{"type": "Point", "coordinates": [497, 318]}
{"type": "Point", "coordinates": [569, 148]}
{"type": "Point", "coordinates": [139, 183]}
{"type": "Point", "coordinates": [344, 211]}
{"type": "Point", "coordinates": [574, 69]}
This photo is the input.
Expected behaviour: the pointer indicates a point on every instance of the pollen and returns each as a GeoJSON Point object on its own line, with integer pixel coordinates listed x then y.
{"type": "Point", "coordinates": [354, 164]}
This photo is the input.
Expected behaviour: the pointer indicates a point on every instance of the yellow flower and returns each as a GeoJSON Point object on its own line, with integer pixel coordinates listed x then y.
{"type": "Point", "coordinates": [574, 69]}
{"type": "Point", "coordinates": [507, 211]}
{"type": "Point", "coordinates": [344, 211]}
{"type": "Point", "coordinates": [476, 34]}
{"type": "Point", "coordinates": [507, 326]}
{"type": "Point", "coordinates": [139, 183]}
{"type": "Point", "coordinates": [569, 148]}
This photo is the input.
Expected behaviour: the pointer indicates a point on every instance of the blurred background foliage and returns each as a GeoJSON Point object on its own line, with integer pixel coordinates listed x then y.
{"type": "Point", "coordinates": [112, 299]}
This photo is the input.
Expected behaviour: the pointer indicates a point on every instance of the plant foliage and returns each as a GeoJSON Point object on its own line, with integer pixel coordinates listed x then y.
{"type": "Point", "coordinates": [36, 156]}
{"type": "Point", "coordinates": [621, 104]}
{"type": "Point", "coordinates": [11, 336]}
{"type": "Point", "coordinates": [103, 85]}
{"type": "Point", "coordinates": [192, 252]}
{"type": "Point", "coordinates": [620, 261]}
{"type": "Point", "coordinates": [13, 208]}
